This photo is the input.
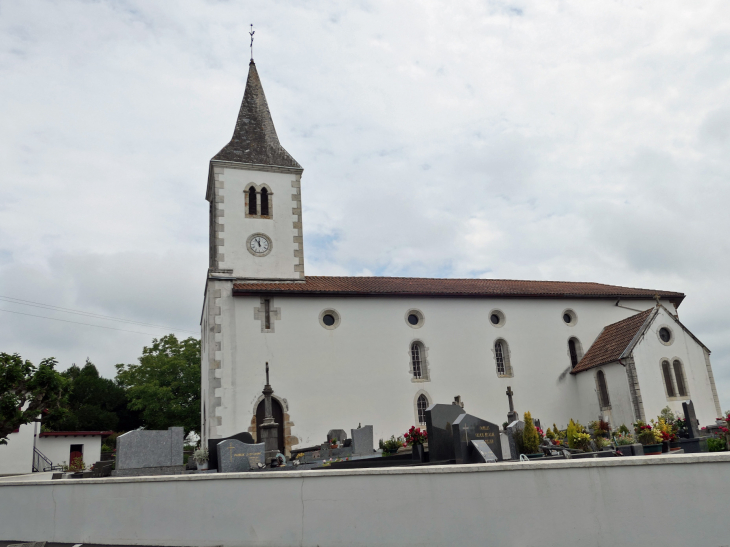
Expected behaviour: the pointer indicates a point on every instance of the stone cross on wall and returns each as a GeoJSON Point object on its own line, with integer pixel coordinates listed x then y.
{"type": "Point", "coordinates": [512, 416]}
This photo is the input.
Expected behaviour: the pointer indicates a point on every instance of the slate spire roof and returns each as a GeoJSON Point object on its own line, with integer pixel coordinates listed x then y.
{"type": "Point", "coordinates": [254, 138]}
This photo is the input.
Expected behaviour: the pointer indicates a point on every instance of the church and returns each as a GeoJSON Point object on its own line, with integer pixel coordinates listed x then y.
{"type": "Point", "coordinates": [345, 351]}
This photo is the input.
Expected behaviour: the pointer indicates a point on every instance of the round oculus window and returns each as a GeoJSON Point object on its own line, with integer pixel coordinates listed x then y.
{"type": "Point", "coordinates": [328, 319]}
{"type": "Point", "coordinates": [567, 318]}
{"type": "Point", "coordinates": [496, 318]}
{"type": "Point", "coordinates": [413, 319]}
{"type": "Point", "coordinates": [665, 335]}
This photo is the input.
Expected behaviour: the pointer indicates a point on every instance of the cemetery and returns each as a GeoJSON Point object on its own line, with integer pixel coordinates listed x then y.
{"type": "Point", "coordinates": [476, 477]}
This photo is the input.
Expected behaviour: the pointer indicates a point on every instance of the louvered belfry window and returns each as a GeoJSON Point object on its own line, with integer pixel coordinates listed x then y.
{"type": "Point", "coordinates": [264, 202]}
{"type": "Point", "coordinates": [416, 360]}
{"type": "Point", "coordinates": [252, 210]}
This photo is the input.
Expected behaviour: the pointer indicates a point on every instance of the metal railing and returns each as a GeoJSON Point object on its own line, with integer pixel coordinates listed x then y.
{"type": "Point", "coordinates": [40, 462]}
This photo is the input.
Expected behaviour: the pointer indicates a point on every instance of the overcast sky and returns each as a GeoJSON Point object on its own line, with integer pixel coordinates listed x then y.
{"type": "Point", "coordinates": [584, 141]}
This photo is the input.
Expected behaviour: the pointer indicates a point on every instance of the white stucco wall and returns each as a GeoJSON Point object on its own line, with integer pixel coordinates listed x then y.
{"type": "Point", "coordinates": [280, 262]}
{"type": "Point", "coordinates": [648, 356]}
{"type": "Point", "coordinates": [621, 411]}
{"type": "Point", "coordinates": [58, 449]}
{"type": "Point", "coordinates": [16, 457]}
{"type": "Point", "coordinates": [661, 500]}
{"type": "Point", "coordinates": [360, 371]}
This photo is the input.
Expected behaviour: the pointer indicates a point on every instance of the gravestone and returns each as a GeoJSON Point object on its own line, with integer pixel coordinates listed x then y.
{"type": "Point", "coordinates": [470, 428]}
{"type": "Point", "coordinates": [338, 434]}
{"type": "Point", "coordinates": [693, 425]}
{"type": "Point", "coordinates": [362, 440]}
{"type": "Point", "coordinates": [243, 437]}
{"type": "Point", "coordinates": [235, 456]}
{"type": "Point", "coordinates": [479, 452]}
{"type": "Point", "coordinates": [517, 425]}
{"type": "Point", "coordinates": [144, 448]}
{"type": "Point", "coordinates": [439, 419]}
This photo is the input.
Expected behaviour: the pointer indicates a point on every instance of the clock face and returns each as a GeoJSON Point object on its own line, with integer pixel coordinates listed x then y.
{"type": "Point", "coordinates": [259, 244]}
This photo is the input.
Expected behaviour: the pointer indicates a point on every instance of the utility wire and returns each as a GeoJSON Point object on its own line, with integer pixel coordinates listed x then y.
{"type": "Point", "coordinates": [22, 302]}
{"type": "Point", "coordinates": [76, 322]}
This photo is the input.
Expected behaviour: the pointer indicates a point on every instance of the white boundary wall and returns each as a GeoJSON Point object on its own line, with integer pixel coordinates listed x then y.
{"type": "Point", "coordinates": [657, 500]}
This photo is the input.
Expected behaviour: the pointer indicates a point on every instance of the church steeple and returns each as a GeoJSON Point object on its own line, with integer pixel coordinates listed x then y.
{"type": "Point", "coordinates": [254, 139]}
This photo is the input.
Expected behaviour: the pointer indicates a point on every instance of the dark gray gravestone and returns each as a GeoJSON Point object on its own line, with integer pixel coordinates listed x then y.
{"type": "Point", "coordinates": [511, 428]}
{"type": "Point", "coordinates": [439, 419]}
{"type": "Point", "coordinates": [470, 428]}
{"type": "Point", "coordinates": [243, 437]}
{"type": "Point", "coordinates": [693, 425]}
{"type": "Point", "coordinates": [338, 434]}
{"type": "Point", "coordinates": [479, 452]}
{"type": "Point", "coordinates": [362, 440]}
{"type": "Point", "coordinates": [235, 456]}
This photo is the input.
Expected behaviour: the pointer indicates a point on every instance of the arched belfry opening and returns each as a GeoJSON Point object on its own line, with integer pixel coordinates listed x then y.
{"type": "Point", "coordinates": [278, 413]}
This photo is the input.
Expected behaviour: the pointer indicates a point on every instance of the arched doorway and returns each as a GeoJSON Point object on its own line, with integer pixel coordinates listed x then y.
{"type": "Point", "coordinates": [278, 413]}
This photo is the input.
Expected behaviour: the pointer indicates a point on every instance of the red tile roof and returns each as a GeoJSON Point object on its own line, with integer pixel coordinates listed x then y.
{"type": "Point", "coordinates": [416, 286]}
{"type": "Point", "coordinates": [612, 342]}
{"type": "Point", "coordinates": [76, 433]}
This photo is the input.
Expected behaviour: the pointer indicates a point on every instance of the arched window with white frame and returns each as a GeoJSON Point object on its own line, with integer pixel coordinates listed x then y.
{"type": "Point", "coordinates": [421, 406]}
{"type": "Point", "coordinates": [679, 378]}
{"type": "Point", "coordinates": [264, 202]}
{"type": "Point", "coordinates": [668, 382]}
{"type": "Point", "coordinates": [502, 359]}
{"type": "Point", "coordinates": [417, 360]}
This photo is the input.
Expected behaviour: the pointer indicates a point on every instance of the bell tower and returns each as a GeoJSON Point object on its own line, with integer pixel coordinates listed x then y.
{"type": "Point", "coordinates": [254, 190]}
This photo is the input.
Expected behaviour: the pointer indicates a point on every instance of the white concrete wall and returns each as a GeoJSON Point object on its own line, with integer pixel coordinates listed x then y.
{"type": "Point", "coordinates": [16, 457]}
{"type": "Point", "coordinates": [58, 449]}
{"type": "Point", "coordinates": [648, 356]}
{"type": "Point", "coordinates": [661, 500]}
{"type": "Point", "coordinates": [360, 371]}
{"type": "Point", "coordinates": [280, 262]}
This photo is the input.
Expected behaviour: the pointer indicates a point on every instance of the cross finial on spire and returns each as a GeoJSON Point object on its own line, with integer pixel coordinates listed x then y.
{"type": "Point", "coordinates": [251, 34]}
{"type": "Point", "coordinates": [267, 373]}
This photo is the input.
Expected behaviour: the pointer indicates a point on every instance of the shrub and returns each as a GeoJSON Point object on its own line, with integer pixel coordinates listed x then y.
{"type": "Point", "coordinates": [392, 445]}
{"type": "Point", "coordinates": [573, 429]}
{"type": "Point", "coordinates": [582, 441]}
{"type": "Point", "coordinates": [623, 439]}
{"type": "Point", "coordinates": [530, 436]}
{"type": "Point", "coordinates": [716, 444]}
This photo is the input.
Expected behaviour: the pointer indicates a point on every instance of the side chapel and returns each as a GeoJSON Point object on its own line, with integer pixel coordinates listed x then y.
{"type": "Point", "coordinates": [380, 350]}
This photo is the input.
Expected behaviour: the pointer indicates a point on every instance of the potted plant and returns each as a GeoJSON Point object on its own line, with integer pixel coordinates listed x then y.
{"type": "Point", "coordinates": [624, 442]}
{"type": "Point", "coordinates": [650, 438]}
{"type": "Point", "coordinates": [200, 456]}
{"type": "Point", "coordinates": [416, 437]}
{"type": "Point", "coordinates": [391, 446]}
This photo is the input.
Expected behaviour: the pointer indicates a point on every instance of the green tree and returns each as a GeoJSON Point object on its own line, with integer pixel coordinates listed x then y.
{"type": "Point", "coordinates": [530, 437]}
{"type": "Point", "coordinates": [165, 385]}
{"type": "Point", "coordinates": [26, 391]}
{"type": "Point", "coordinates": [93, 403]}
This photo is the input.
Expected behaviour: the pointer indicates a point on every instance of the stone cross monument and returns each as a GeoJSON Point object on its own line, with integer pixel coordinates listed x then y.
{"type": "Point", "coordinates": [269, 428]}
{"type": "Point", "coordinates": [512, 416]}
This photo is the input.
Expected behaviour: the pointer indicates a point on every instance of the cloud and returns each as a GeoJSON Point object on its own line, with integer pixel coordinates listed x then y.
{"type": "Point", "coordinates": [523, 139]}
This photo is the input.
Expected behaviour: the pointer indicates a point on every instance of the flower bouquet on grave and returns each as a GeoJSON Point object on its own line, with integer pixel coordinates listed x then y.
{"type": "Point", "coordinates": [415, 436]}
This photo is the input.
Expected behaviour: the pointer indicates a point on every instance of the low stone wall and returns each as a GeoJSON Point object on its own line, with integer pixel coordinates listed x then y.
{"type": "Point", "coordinates": [652, 500]}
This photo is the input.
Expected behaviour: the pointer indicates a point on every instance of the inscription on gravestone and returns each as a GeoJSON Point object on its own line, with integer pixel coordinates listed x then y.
{"type": "Point", "coordinates": [243, 437]}
{"type": "Point", "coordinates": [439, 419]}
{"type": "Point", "coordinates": [235, 456]}
{"type": "Point", "coordinates": [470, 428]}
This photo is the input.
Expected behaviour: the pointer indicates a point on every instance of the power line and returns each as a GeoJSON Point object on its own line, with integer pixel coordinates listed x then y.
{"type": "Point", "coordinates": [76, 322]}
{"type": "Point", "coordinates": [22, 302]}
